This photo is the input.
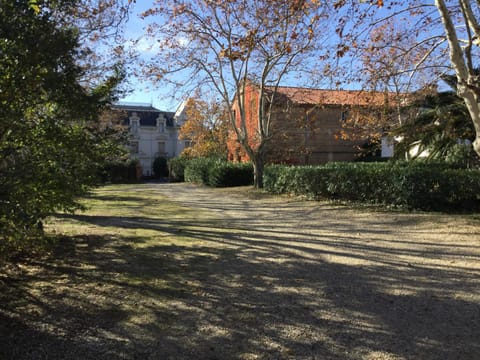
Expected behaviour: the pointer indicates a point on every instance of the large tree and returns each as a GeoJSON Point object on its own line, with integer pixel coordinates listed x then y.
{"type": "Point", "coordinates": [226, 45]}
{"type": "Point", "coordinates": [463, 55]}
{"type": "Point", "coordinates": [51, 142]}
{"type": "Point", "coordinates": [446, 38]}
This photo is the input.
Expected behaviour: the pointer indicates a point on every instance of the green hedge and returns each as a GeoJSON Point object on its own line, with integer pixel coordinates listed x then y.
{"type": "Point", "coordinates": [196, 170]}
{"type": "Point", "coordinates": [224, 174]}
{"type": "Point", "coordinates": [218, 173]}
{"type": "Point", "coordinates": [120, 172]}
{"type": "Point", "coordinates": [415, 185]}
{"type": "Point", "coordinates": [176, 169]}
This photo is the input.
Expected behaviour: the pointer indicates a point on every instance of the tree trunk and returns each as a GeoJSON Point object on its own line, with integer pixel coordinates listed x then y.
{"type": "Point", "coordinates": [258, 165]}
{"type": "Point", "coordinates": [476, 144]}
{"type": "Point", "coordinates": [474, 111]}
{"type": "Point", "coordinates": [462, 70]}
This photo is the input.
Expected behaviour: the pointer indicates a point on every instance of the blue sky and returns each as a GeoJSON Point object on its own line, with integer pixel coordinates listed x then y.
{"type": "Point", "coordinates": [143, 91]}
{"type": "Point", "coordinates": [156, 94]}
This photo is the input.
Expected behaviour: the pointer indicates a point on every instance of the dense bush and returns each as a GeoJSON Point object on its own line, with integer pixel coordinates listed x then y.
{"type": "Point", "coordinates": [224, 174]}
{"type": "Point", "coordinates": [160, 167]}
{"type": "Point", "coordinates": [196, 170]}
{"type": "Point", "coordinates": [121, 172]}
{"type": "Point", "coordinates": [218, 173]}
{"type": "Point", "coordinates": [54, 137]}
{"type": "Point", "coordinates": [176, 168]}
{"type": "Point", "coordinates": [416, 185]}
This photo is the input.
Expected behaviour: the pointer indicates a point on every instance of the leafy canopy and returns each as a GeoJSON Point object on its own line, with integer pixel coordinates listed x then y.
{"type": "Point", "coordinates": [51, 141]}
{"type": "Point", "coordinates": [441, 124]}
{"type": "Point", "coordinates": [206, 127]}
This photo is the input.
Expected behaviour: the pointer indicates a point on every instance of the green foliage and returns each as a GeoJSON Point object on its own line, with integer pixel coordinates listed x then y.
{"type": "Point", "coordinates": [176, 168]}
{"type": "Point", "coordinates": [196, 170]}
{"type": "Point", "coordinates": [160, 167]}
{"type": "Point", "coordinates": [443, 120]}
{"type": "Point", "coordinates": [51, 144]}
{"type": "Point", "coordinates": [218, 173]}
{"type": "Point", "coordinates": [461, 155]}
{"type": "Point", "coordinates": [414, 185]}
{"type": "Point", "coordinates": [225, 174]}
{"type": "Point", "coordinates": [120, 172]}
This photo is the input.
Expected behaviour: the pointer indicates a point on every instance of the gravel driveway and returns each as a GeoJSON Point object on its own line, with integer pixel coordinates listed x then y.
{"type": "Point", "coordinates": [311, 280]}
{"type": "Point", "coordinates": [263, 277]}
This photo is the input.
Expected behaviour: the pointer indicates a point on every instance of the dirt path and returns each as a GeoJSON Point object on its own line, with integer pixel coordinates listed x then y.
{"type": "Point", "coordinates": [233, 274]}
{"type": "Point", "coordinates": [352, 283]}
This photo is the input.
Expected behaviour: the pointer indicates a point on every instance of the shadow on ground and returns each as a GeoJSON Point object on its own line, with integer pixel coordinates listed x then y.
{"type": "Point", "coordinates": [244, 288]}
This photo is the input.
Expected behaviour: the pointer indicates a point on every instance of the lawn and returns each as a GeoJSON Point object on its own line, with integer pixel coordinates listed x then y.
{"type": "Point", "coordinates": [176, 271]}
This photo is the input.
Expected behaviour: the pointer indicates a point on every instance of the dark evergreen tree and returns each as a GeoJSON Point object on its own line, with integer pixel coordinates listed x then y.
{"type": "Point", "coordinates": [51, 142]}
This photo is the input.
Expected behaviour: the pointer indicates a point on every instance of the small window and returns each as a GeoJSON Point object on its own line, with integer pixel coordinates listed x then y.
{"type": "Point", "coordinates": [134, 147]}
{"type": "Point", "coordinates": [134, 126]}
{"type": "Point", "coordinates": [161, 148]}
{"type": "Point", "coordinates": [344, 115]}
{"type": "Point", "coordinates": [161, 123]}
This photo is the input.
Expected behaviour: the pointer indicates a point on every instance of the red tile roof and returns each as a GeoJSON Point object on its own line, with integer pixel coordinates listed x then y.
{"type": "Point", "coordinates": [334, 97]}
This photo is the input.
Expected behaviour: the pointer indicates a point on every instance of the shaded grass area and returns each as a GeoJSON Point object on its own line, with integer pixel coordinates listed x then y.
{"type": "Point", "coordinates": [143, 276]}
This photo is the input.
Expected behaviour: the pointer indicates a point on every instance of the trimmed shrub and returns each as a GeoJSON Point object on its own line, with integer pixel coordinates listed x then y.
{"type": "Point", "coordinates": [414, 185]}
{"type": "Point", "coordinates": [120, 172]}
{"type": "Point", "coordinates": [218, 173]}
{"type": "Point", "coordinates": [176, 169]}
{"type": "Point", "coordinates": [196, 170]}
{"type": "Point", "coordinates": [160, 167]}
{"type": "Point", "coordinates": [226, 174]}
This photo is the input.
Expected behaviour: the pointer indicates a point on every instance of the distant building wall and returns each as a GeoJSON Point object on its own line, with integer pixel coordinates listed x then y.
{"type": "Point", "coordinates": [301, 133]}
{"type": "Point", "coordinates": [152, 133]}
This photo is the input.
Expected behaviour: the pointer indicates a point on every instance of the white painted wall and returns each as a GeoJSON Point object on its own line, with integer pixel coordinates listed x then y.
{"type": "Point", "coordinates": [149, 142]}
{"type": "Point", "coordinates": [387, 147]}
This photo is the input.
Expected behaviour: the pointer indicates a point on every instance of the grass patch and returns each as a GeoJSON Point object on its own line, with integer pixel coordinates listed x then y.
{"type": "Point", "coordinates": [145, 218]}
{"type": "Point", "coordinates": [115, 271]}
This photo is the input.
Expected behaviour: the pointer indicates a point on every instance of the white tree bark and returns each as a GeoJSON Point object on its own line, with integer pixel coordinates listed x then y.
{"type": "Point", "coordinates": [461, 61]}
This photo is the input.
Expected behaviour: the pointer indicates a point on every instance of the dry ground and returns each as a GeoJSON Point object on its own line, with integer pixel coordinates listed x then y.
{"type": "Point", "coordinates": [177, 271]}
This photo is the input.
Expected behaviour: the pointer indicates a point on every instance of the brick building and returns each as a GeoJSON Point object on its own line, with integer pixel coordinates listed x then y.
{"type": "Point", "coordinates": [304, 124]}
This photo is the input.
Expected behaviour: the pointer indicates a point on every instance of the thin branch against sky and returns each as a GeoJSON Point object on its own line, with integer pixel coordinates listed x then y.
{"type": "Point", "coordinates": [164, 97]}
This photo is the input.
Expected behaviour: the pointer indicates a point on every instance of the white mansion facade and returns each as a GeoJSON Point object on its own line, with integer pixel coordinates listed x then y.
{"type": "Point", "coordinates": [152, 133]}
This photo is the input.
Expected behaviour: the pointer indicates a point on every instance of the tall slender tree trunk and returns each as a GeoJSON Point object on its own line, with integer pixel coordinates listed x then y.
{"type": "Point", "coordinates": [476, 144]}
{"type": "Point", "coordinates": [474, 110]}
{"type": "Point", "coordinates": [466, 87]}
{"type": "Point", "coordinates": [258, 167]}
